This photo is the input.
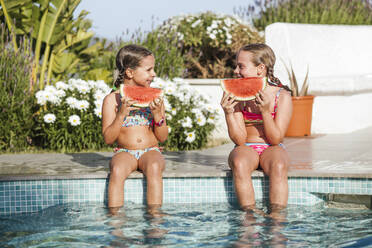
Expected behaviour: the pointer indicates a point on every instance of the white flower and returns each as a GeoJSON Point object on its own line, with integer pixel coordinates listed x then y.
{"type": "Point", "coordinates": [158, 83]}
{"type": "Point", "coordinates": [61, 85]}
{"type": "Point", "coordinates": [186, 122]}
{"type": "Point", "coordinates": [169, 129]}
{"type": "Point", "coordinates": [92, 84]}
{"type": "Point", "coordinates": [40, 96]}
{"type": "Point", "coordinates": [214, 24]}
{"type": "Point", "coordinates": [168, 116]}
{"type": "Point", "coordinates": [74, 120]}
{"type": "Point", "coordinates": [99, 95]}
{"type": "Point", "coordinates": [71, 101]}
{"type": "Point", "coordinates": [82, 105]}
{"type": "Point", "coordinates": [98, 103]}
{"type": "Point", "coordinates": [190, 136]}
{"type": "Point", "coordinates": [174, 111]}
{"type": "Point", "coordinates": [212, 36]}
{"type": "Point", "coordinates": [98, 112]}
{"type": "Point", "coordinates": [200, 120]}
{"type": "Point", "coordinates": [48, 95]}
{"type": "Point", "coordinates": [102, 86]}
{"type": "Point", "coordinates": [211, 119]}
{"type": "Point", "coordinates": [83, 88]}
{"type": "Point", "coordinates": [170, 89]}
{"type": "Point", "coordinates": [55, 99]}
{"type": "Point", "coordinates": [209, 108]}
{"type": "Point", "coordinates": [79, 84]}
{"type": "Point", "coordinates": [196, 111]}
{"type": "Point", "coordinates": [60, 93]}
{"type": "Point", "coordinates": [167, 105]}
{"type": "Point", "coordinates": [50, 88]}
{"type": "Point", "coordinates": [49, 118]}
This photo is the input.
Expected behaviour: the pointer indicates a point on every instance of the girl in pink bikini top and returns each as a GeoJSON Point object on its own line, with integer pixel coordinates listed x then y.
{"type": "Point", "coordinates": [256, 118]}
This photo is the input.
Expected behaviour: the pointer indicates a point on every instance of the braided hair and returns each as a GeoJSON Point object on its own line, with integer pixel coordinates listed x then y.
{"type": "Point", "coordinates": [263, 54]}
{"type": "Point", "coordinates": [129, 56]}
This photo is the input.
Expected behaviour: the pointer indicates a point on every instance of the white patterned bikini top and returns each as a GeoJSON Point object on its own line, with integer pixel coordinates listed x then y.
{"type": "Point", "coordinates": [138, 117]}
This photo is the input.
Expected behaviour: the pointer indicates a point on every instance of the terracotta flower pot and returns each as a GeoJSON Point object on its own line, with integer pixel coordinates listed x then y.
{"type": "Point", "coordinates": [300, 124]}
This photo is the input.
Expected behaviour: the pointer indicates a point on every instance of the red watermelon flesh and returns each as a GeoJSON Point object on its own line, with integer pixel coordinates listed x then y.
{"type": "Point", "coordinates": [244, 89]}
{"type": "Point", "coordinates": [142, 95]}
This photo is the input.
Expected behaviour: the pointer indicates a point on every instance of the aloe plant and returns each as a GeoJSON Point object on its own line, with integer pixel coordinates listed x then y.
{"type": "Point", "coordinates": [293, 81]}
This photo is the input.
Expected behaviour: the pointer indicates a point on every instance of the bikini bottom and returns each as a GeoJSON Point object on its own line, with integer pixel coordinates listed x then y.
{"type": "Point", "coordinates": [260, 147]}
{"type": "Point", "coordinates": [137, 153]}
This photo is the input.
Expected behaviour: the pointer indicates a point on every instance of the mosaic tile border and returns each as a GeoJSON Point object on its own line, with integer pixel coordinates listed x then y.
{"type": "Point", "coordinates": [34, 195]}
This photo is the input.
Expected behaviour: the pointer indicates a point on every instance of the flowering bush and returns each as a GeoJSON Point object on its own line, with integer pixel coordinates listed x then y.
{"type": "Point", "coordinates": [70, 116]}
{"type": "Point", "coordinates": [190, 116]}
{"type": "Point", "coordinates": [209, 41]}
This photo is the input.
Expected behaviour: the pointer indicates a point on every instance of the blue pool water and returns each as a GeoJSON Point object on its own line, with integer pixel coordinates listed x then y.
{"type": "Point", "coordinates": [192, 225]}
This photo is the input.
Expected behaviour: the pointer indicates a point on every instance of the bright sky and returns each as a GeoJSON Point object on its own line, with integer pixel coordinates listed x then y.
{"type": "Point", "coordinates": [111, 18]}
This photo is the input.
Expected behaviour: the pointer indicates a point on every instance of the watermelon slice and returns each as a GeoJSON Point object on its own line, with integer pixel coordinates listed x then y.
{"type": "Point", "coordinates": [244, 89]}
{"type": "Point", "coordinates": [144, 96]}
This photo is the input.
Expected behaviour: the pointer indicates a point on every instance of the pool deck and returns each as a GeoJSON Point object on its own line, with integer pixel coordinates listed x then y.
{"type": "Point", "coordinates": [333, 155]}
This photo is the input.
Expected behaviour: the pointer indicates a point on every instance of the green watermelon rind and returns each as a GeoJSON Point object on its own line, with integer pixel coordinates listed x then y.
{"type": "Point", "coordinates": [264, 79]}
{"type": "Point", "coordinates": [138, 105]}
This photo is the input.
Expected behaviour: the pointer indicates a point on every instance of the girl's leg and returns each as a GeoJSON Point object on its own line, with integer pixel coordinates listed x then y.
{"type": "Point", "coordinates": [121, 165]}
{"type": "Point", "coordinates": [243, 160]}
{"type": "Point", "coordinates": [274, 162]}
{"type": "Point", "coordinates": [152, 164]}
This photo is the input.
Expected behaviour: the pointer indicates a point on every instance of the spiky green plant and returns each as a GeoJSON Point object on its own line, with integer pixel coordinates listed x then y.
{"type": "Point", "coordinates": [294, 83]}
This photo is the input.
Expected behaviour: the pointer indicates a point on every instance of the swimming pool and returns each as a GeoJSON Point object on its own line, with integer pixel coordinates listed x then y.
{"type": "Point", "coordinates": [187, 225]}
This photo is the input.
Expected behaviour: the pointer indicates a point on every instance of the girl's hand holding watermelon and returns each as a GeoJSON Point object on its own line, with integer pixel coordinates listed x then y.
{"type": "Point", "coordinates": [126, 106]}
{"type": "Point", "coordinates": [228, 103]}
{"type": "Point", "coordinates": [156, 107]}
{"type": "Point", "coordinates": [263, 101]}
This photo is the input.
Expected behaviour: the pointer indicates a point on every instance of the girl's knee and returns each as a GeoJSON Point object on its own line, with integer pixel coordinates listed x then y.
{"type": "Point", "coordinates": [242, 167]}
{"type": "Point", "coordinates": [117, 170]}
{"type": "Point", "coordinates": [154, 168]}
{"type": "Point", "coordinates": [279, 169]}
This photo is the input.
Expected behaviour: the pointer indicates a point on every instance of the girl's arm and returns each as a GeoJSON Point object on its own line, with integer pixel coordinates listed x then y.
{"type": "Point", "coordinates": [234, 119]}
{"type": "Point", "coordinates": [113, 116]}
{"type": "Point", "coordinates": [158, 111]}
{"type": "Point", "coordinates": [276, 129]}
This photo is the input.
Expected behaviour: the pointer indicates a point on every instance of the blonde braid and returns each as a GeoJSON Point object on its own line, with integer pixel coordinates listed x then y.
{"type": "Point", "coordinates": [274, 80]}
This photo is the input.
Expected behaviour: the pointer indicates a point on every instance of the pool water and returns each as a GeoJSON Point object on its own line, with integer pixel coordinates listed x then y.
{"type": "Point", "coordinates": [191, 225]}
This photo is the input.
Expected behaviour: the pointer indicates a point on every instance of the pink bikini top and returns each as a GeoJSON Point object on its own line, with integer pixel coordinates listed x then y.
{"type": "Point", "coordinates": [254, 118]}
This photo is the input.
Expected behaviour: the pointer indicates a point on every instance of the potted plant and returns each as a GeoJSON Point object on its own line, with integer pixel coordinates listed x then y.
{"type": "Point", "coordinates": [300, 124]}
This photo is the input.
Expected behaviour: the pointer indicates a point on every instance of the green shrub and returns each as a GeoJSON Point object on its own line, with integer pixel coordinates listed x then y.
{"type": "Point", "coordinates": [168, 59]}
{"type": "Point", "coordinates": [16, 101]}
{"type": "Point", "coordinates": [208, 42]}
{"type": "Point", "coordinates": [70, 116]}
{"type": "Point", "coordinates": [350, 12]}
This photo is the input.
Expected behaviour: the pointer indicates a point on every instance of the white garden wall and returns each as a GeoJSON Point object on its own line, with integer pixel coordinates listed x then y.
{"type": "Point", "coordinates": [339, 58]}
